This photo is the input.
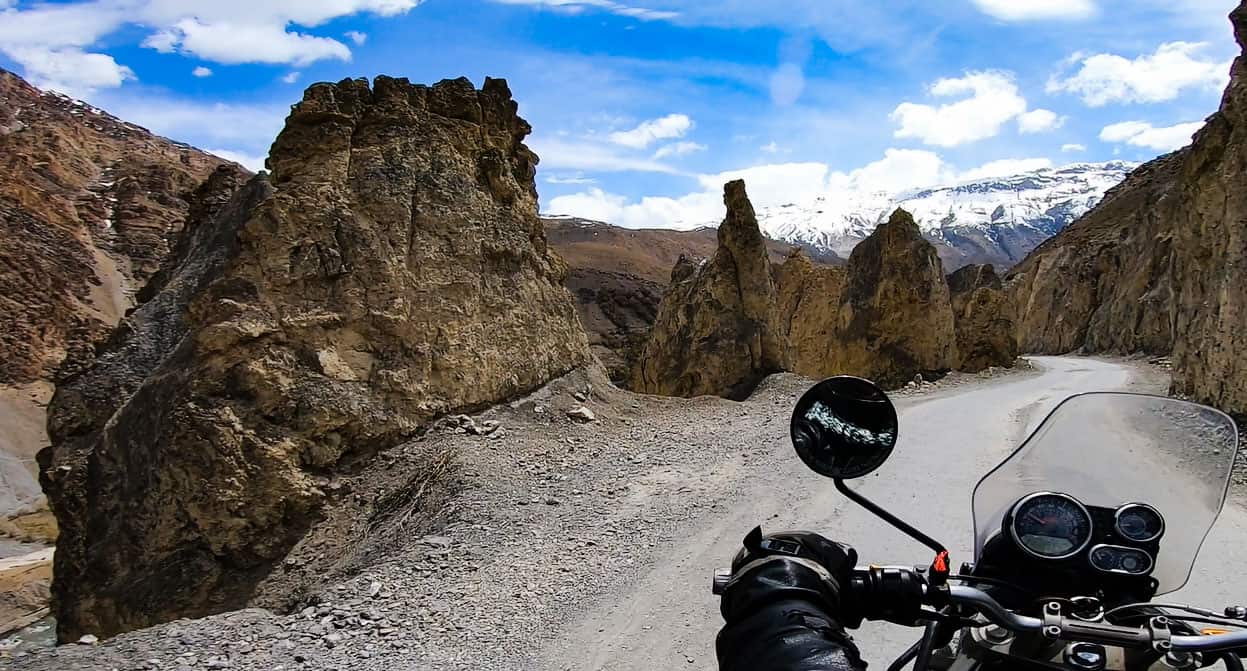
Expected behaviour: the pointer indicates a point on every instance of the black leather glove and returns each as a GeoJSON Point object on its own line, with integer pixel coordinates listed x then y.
{"type": "Point", "coordinates": [782, 606]}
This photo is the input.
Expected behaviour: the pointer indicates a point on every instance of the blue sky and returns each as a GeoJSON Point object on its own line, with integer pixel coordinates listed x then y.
{"type": "Point", "coordinates": [642, 107]}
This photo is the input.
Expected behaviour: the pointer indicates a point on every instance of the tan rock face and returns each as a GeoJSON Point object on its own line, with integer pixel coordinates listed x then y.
{"type": "Point", "coordinates": [713, 334]}
{"type": "Point", "coordinates": [983, 315]}
{"type": "Point", "coordinates": [1105, 282]}
{"type": "Point", "coordinates": [726, 323]}
{"type": "Point", "coordinates": [895, 318]}
{"type": "Point", "coordinates": [807, 303]}
{"type": "Point", "coordinates": [1159, 265]}
{"type": "Point", "coordinates": [394, 270]}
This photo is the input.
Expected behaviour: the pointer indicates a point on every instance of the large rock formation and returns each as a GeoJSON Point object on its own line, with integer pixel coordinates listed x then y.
{"type": "Point", "coordinates": [618, 276]}
{"type": "Point", "coordinates": [394, 270]}
{"type": "Point", "coordinates": [726, 323]}
{"type": "Point", "coordinates": [983, 316]}
{"type": "Point", "coordinates": [807, 303]}
{"type": "Point", "coordinates": [88, 207]}
{"type": "Point", "coordinates": [895, 317]}
{"type": "Point", "coordinates": [713, 334]}
{"type": "Point", "coordinates": [1161, 264]}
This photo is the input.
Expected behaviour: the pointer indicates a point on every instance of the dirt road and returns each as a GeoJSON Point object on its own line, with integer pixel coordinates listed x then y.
{"type": "Point", "coordinates": [948, 440]}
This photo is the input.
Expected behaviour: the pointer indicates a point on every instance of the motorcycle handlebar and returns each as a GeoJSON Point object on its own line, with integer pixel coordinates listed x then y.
{"type": "Point", "coordinates": [898, 594]}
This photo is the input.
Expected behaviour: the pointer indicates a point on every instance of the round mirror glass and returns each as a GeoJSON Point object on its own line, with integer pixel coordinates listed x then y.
{"type": "Point", "coordinates": [844, 427]}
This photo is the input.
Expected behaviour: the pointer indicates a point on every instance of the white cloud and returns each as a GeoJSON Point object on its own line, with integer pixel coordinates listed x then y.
{"type": "Point", "coordinates": [771, 147]}
{"type": "Point", "coordinates": [899, 169]}
{"type": "Point", "coordinates": [787, 83]}
{"type": "Point", "coordinates": [225, 42]}
{"type": "Point", "coordinates": [1158, 77]}
{"type": "Point", "coordinates": [1143, 134]}
{"type": "Point", "coordinates": [1073, 147]}
{"type": "Point", "coordinates": [248, 161]}
{"type": "Point", "coordinates": [665, 128]}
{"type": "Point", "coordinates": [1026, 10]}
{"type": "Point", "coordinates": [1039, 121]}
{"type": "Point", "coordinates": [201, 71]}
{"type": "Point", "coordinates": [357, 37]}
{"type": "Point", "coordinates": [678, 149]}
{"type": "Point", "coordinates": [565, 154]}
{"type": "Point", "coordinates": [992, 100]}
{"type": "Point", "coordinates": [291, 77]}
{"type": "Point", "coordinates": [225, 31]}
{"type": "Point", "coordinates": [70, 70]}
{"type": "Point", "coordinates": [577, 6]}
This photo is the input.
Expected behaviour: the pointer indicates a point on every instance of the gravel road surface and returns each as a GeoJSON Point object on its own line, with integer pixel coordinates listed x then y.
{"type": "Point", "coordinates": [591, 545]}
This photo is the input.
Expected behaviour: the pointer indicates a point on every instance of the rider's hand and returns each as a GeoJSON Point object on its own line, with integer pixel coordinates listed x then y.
{"type": "Point", "coordinates": [799, 564]}
{"type": "Point", "coordinates": [782, 606]}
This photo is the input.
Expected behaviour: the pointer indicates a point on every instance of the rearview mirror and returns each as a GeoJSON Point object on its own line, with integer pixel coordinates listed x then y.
{"type": "Point", "coordinates": [844, 427]}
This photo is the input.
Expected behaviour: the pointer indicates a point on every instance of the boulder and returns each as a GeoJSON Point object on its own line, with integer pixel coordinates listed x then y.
{"type": "Point", "coordinates": [895, 318]}
{"type": "Point", "coordinates": [392, 270]}
{"type": "Point", "coordinates": [713, 333]}
{"type": "Point", "coordinates": [983, 316]}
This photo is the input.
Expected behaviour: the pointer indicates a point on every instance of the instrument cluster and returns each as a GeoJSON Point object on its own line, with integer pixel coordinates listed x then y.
{"type": "Point", "coordinates": [1054, 526]}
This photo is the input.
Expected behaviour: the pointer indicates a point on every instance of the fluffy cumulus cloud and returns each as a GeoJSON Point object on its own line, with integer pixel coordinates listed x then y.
{"type": "Point", "coordinates": [988, 100]}
{"type": "Point", "coordinates": [1143, 134]}
{"type": "Point", "coordinates": [54, 42]}
{"type": "Point", "coordinates": [1101, 79]}
{"type": "Point", "coordinates": [778, 184]}
{"type": "Point", "coordinates": [201, 71]}
{"type": "Point", "coordinates": [1039, 121]}
{"type": "Point", "coordinates": [666, 128]}
{"type": "Point", "coordinates": [1028, 10]}
{"type": "Point", "coordinates": [291, 77]}
{"type": "Point", "coordinates": [357, 37]}
{"type": "Point", "coordinates": [590, 155]}
{"type": "Point", "coordinates": [70, 70]}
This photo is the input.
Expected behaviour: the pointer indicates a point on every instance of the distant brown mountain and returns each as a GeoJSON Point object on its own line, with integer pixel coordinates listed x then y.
{"type": "Point", "coordinates": [618, 276]}
{"type": "Point", "coordinates": [89, 205]}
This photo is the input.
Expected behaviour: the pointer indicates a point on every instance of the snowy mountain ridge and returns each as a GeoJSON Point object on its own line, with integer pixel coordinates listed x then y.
{"type": "Point", "coordinates": [996, 220]}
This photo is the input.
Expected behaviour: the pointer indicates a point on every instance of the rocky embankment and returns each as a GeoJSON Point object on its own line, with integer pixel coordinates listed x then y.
{"type": "Point", "coordinates": [89, 208]}
{"type": "Point", "coordinates": [1160, 266]}
{"type": "Point", "coordinates": [727, 323]}
{"type": "Point", "coordinates": [321, 317]}
{"type": "Point", "coordinates": [618, 276]}
{"type": "Point", "coordinates": [983, 313]}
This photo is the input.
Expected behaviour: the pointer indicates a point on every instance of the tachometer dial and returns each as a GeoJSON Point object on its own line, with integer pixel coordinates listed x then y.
{"type": "Point", "coordinates": [1139, 522]}
{"type": "Point", "coordinates": [1050, 526]}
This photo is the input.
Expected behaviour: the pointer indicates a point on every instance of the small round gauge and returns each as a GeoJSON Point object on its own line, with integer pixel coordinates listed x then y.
{"type": "Point", "coordinates": [1139, 522]}
{"type": "Point", "coordinates": [1050, 526]}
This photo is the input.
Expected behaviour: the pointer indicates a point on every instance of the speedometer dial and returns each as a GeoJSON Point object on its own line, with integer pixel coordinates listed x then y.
{"type": "Point", "coordinates": [1139, 522]}
{"type": "Point", "coordinates": [1050, 526]}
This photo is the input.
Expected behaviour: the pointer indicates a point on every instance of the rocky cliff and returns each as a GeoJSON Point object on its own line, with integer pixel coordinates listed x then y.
{"type": "Point", "coordinates": [89, 205]}
{"type": "Point", "coordinates": [895, 317]}
{"type": "Point", "coordinates": [618, 276]}
{"type": "Point", "coordinates": [726, 323]}
{"type": "Point", "coordinates": [984, 320]}
{"type": "Point", "coordinates": [392, 270]}
{"type": "Point", "coordinates": [714, 334]}
{"type": "Point", "coordinates": [1159, 265]}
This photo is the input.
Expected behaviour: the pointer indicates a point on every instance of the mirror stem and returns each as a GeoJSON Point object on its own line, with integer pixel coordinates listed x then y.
{"type": "Point", "coordinates": [890, 518]}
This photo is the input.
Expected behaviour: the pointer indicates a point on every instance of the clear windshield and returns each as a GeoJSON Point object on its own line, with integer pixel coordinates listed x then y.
{"type": "Point", "coordinates": [1108, 449]}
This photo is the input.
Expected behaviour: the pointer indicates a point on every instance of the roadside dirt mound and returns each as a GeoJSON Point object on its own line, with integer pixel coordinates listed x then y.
{"type": "Point", "coordinates": [392, 270]}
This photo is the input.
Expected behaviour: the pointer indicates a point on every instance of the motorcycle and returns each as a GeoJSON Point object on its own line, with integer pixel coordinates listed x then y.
{"type": "Point", "coordinates": [1103, 508]}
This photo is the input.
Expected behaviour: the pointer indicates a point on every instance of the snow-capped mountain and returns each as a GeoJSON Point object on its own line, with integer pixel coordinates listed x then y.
{"type": "Point", "coordinates": [997, 220]}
